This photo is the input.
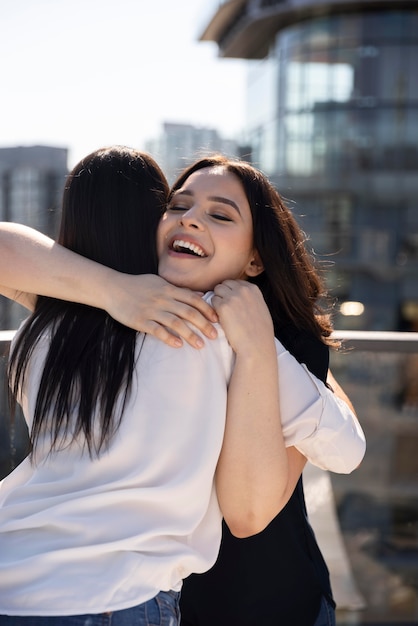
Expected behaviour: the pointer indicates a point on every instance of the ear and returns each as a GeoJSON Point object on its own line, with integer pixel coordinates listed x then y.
{"type": "Point", "coordinates": [255, 266]}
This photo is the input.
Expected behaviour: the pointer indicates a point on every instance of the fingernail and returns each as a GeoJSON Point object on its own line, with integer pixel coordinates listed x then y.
{"type": "Point", "coordinates": [199, 343]}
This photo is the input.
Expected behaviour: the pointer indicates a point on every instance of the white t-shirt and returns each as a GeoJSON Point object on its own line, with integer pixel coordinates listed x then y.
{"type": "Point", "coordinates": [88, 536]}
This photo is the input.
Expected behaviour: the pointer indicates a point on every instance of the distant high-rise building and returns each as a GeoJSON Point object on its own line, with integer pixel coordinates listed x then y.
{"type": "Point", "coordinates": [31, 184]}
{"type": "Point", "coordinates": [179, 144]}
{"type": "Point", "coordinates": [333, 120]}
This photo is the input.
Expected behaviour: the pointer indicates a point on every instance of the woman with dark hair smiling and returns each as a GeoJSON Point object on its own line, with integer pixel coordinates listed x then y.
{"type": "Point", "coordinates": [116, 503]}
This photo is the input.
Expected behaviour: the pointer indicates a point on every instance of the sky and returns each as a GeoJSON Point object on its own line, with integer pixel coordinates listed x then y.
{"type": "Point", "coordinates": [81, 74]}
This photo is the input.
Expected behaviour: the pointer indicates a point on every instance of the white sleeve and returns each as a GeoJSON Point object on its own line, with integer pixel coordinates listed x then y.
{"type": "Point", "coordinates": [314, 420]}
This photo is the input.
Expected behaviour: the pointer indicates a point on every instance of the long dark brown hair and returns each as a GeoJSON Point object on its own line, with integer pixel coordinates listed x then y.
{"type": "Point", "coordinates": [112, 203]}
{"type": "Point", "coordinates": [291, 283]}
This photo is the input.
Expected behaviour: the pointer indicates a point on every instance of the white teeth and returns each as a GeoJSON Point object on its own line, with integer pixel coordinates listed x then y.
{"type": "Point", "coordinates": [179, 243]}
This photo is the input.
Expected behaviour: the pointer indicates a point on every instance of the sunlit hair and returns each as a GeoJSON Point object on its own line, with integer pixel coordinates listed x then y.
{"type": "Point", "coordinates": [291, 284]}
{"type": "Point", "coordinates": [112, 203]}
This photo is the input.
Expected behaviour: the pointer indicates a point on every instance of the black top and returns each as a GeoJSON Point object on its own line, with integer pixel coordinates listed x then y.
{"type": "Point", "coordinates": [278, 576]}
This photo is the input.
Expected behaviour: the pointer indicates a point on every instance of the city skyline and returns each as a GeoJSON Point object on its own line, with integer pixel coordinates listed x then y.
{"type": "Point", "coordinates": [88, 73]}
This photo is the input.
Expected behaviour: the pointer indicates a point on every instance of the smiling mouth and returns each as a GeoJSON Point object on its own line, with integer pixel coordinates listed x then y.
{"type": "Point", "coordinates": [186, 247]}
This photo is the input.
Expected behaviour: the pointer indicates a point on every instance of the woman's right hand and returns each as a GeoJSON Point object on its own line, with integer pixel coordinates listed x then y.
{"type": "Point", "coordinates": [244, 316]}
{"type": "Point", "coordinates": [150, 304]}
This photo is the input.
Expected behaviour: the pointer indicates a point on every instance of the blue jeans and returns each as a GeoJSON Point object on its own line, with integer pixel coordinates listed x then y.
{"type": "Point", "coordinates": [163, 610]}
{"type": "Point", "coordinates": [326, 616]}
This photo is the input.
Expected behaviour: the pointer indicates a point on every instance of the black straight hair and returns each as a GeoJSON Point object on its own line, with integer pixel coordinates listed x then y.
{"type": "Point", "coordinates": [112, 203]}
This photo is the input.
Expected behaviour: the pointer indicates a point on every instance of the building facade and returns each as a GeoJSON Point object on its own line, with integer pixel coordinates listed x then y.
{"type": "Point", "coordinates": [180, 144]}
{"type": "Point", "coordinates": [31, 185]}
{"type": "Point", "coordinates": [333, 120]}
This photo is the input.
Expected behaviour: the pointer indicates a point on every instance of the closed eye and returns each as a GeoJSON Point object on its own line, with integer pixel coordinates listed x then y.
{"type": "Point", "coordinates": [176, 207]}
{"type": "Point", "coordinates": [222, 218]}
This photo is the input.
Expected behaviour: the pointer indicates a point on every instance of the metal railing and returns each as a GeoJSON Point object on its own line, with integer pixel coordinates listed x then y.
{"type": "Point", "coordinates": [378, 341]}
{"type": "Point", "coordinates": [375, 341]}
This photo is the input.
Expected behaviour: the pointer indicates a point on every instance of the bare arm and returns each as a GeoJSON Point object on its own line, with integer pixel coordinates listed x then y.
{"type": "Point", "coordinates": [25, 299]}
{"type": "Point", "coordinates": [32, 263]}
{"type": "Point", "coordinates": [274, 401]}
{"type": "Point", "coordinates": [256, 474]}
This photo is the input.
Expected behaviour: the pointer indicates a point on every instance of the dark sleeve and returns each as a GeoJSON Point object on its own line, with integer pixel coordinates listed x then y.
{"type": "Point", "coordinates": [307, 349]}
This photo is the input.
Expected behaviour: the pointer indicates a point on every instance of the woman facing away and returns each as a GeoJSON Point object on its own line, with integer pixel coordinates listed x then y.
{"type": "Point", "coordinates": [206, 227]}
{"type": "Point", "coordinates": [116, 503]}
{"type": "Point", "coordinates": [89, 522]}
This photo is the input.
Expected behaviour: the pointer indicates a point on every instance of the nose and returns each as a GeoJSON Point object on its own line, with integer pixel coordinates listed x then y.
{"type": "Point", "coordinates": [191, 219]}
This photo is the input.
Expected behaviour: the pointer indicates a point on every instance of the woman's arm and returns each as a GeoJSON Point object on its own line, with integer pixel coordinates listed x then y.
{"type": "Point", "coordinates": [32, 263]}
{"type": "Point", "coordinates": [273, 401]}
{"type": "Point", "coordinates": [28, 300]}
{"type": "Point", "coordinates": [256, 474]}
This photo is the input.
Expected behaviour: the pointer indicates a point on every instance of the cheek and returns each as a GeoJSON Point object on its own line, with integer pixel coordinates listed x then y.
{"type": "Point", "coordinates": [243, 244]}
{"type": "Point", "coordinates": [160, 237]}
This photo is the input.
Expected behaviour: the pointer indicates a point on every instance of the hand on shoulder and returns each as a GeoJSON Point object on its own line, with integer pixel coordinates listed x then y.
{"type": "Point", "coordinates": [244, 316]}
{"type": "Point", "coordinates": [150, 304]}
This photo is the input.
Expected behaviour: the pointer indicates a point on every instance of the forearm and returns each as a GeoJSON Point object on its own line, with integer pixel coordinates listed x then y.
{"type": "Point", "coordinates": [27, 300]}
{"type": "Point", "coordinates": [32, 263]}
{"type": "Point", "coordinates": [252, 473]}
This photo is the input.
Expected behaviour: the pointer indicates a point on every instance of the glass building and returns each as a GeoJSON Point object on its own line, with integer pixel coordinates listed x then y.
{"type": "Point", "coordinates": [31, 184]}
{"type": "Point", "coordinates": [333, 120]}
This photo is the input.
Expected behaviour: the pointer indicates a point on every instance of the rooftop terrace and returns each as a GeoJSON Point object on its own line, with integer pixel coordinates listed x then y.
{"type": "Point", "coordinates": [366, 522]}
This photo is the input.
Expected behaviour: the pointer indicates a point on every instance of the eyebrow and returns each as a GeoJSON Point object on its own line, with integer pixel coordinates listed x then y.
{"type": "Point", "coordinates": [220, 199]}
